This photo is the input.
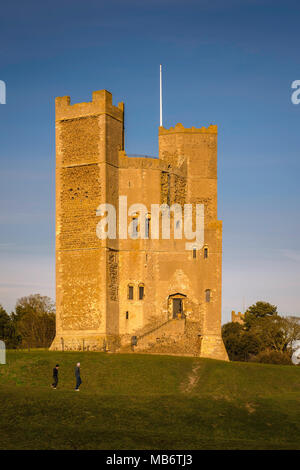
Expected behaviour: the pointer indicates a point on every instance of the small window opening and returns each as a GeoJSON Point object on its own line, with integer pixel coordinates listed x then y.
{"type": "Point", "coordinates": [205, 252]}
{"type": "Point", "coordinates": [194, 253]}
{"type": "Point", "coordinates": [141, 292]}
{"type": "Point", "coordinates": [207, 295]}
{"type": "Point", "coordinates": [135, 227]}
{"type": "Point", "coordinates": [147, 227]}
{"type": "Point", "coordinates": [127, 315]}
{"type": "Point", "coordinates": [130, 292]}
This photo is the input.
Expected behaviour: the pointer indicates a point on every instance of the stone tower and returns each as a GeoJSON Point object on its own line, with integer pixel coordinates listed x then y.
{"type": "Point", "coordinates": [88, 139]}
{"type": "Point", "coordinates": [110, 291]}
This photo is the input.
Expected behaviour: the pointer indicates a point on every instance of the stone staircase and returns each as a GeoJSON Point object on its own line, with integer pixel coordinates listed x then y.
{"type": "Point", "coordinates": [175, 336]}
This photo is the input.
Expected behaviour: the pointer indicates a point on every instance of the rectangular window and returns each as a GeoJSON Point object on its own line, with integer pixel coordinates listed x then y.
{"type": "Point", "coordinates": [134, 227]}
{"type": "Point", "coordinates": [194, 253]}
{"type": "Point", "coordinates": [130, 292]}
{"type": "Point", "coordinates": [141, 292]}
{"type": "Point", "coordinates": [127, 315]}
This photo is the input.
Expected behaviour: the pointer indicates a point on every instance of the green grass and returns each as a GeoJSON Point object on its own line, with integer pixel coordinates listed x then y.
{"type": "Point", "coordinates": [147, 402]}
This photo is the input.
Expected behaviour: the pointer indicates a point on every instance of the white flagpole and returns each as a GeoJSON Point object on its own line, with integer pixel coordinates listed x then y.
{"type": "Point", "coordinates": [161, 121]}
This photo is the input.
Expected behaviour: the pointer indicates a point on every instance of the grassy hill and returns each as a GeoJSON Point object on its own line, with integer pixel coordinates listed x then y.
{"type": "Point", "coordinates": [147, 402]}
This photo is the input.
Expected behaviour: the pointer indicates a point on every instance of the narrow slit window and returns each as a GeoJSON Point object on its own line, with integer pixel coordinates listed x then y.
{"type": "Point", "coordinates": [127, 315]}
{"type": "Point", "coordinates": [205, 252]}
{"type": "Point", "coordinates": [130, 292]}
{"type": "Point", "coordinates": [207, 295]}
{"type": "Point", "coordinates": [194, 253]}
{"type": "Point", "coordinates": [147, 227]}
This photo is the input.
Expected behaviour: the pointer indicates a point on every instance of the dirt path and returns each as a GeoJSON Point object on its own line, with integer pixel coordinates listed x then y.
{"type": "Point", "coordinates": [192, 379]}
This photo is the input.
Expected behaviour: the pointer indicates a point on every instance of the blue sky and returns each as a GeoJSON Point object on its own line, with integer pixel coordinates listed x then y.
{"type": "Point", "coordinates": [228, 63]}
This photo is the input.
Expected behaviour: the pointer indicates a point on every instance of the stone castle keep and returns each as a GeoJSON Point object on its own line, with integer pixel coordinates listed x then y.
{"type": "Point", "coordinates": [113, 293]}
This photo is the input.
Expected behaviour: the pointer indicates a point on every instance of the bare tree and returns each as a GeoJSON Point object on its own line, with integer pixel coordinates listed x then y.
{"type": "Point", "coordinates": [277, 332]}
{"type": "Point", "coordinates": [35, 320]}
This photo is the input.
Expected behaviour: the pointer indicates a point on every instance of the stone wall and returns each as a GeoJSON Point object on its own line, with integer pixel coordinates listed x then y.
{"type": "Point", "coordinates": [86, 268]}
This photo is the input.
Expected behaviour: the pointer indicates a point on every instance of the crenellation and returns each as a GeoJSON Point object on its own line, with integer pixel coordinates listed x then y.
{"type": "Point", "coordinates": [179, 128]}
{"type": "Point", "coordinates": [101, 104]}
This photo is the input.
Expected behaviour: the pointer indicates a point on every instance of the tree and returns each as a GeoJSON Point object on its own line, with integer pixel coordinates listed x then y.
{"type": "Point", "coordinates": [264, 335]}
{"type": "Point", "coordinates": [35, 319]}
{"type": "Point", "coordinates": [239, 343]}
{"type": "Point", "coordinates": [277, 333]}
{"type": "Point", "coordinates": [259, 310]}
{"type": "Point", "coordinates": [8, 330]}
{"type": "Point", "coordinates": [4, 323]}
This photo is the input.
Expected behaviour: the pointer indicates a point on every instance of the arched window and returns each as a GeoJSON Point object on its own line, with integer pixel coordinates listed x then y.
{"type": "Point", "coordinates": [141, 291]}
{"type": "Point", "coordinates": [205, 252]}
{"type": "Point", "coordinates": [207, 295]}
{"type": "Point", "coordinates": [130, 292]}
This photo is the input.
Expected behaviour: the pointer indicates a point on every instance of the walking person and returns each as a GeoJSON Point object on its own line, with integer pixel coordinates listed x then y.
{"type": "Point", "coordinates": [55, 376]}
{"type": "Point", "coordinates": [78, 378]}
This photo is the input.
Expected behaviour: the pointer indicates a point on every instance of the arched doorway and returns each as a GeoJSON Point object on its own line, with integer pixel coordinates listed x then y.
{"type": "Point", "coordinates": [176, 305]}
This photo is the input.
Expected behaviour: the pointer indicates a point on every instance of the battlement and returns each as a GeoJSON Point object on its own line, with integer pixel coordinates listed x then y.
{"type": "Point", "coordinates": [101, 104]}
{"type": "Point", "coordinates": [179, 128]}
{"type": "Point", "coordinates": [237, 317]}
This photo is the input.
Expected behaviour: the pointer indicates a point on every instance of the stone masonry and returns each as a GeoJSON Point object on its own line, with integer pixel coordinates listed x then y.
{"type": "Point", "coordinates": [152, 291]}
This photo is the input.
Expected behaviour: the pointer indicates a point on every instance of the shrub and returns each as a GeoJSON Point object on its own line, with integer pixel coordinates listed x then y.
{"type": "Point", "coordinates": [273, 357]}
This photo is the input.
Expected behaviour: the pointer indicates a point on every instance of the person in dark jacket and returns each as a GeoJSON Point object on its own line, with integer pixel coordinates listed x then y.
{"type": "Point", "coordinates": [55, 376]}
{"type": "Point", "coordinates": [78, 378]}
